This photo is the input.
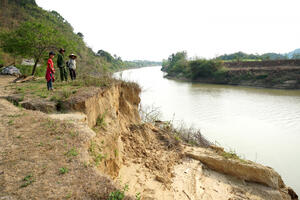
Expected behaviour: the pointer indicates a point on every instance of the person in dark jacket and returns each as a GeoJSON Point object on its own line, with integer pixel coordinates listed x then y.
{"type": "Point", "coordinates": [61, 65]}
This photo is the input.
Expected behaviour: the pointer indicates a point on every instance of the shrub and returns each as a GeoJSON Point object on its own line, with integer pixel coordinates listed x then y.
{"type": "Point", "coordinates": [118, 194]}
{"type": "Point", "coordinates": [26, 70]}
{"type": "Point", "coordinates": [204, 68]}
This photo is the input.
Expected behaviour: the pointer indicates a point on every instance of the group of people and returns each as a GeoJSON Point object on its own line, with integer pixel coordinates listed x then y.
{"type": "Point", "coordinates": [70, 64]}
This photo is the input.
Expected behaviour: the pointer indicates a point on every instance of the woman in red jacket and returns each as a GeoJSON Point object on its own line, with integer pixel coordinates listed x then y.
{"type": "Point", "coordinates": [50, 71]}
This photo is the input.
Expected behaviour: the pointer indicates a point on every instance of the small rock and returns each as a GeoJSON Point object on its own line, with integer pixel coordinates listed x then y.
{"type": "Point", "coordinates": [11, 70]}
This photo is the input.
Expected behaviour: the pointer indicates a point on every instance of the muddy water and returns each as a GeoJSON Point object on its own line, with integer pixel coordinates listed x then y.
{"type": "Point", "coordinates": [262, 125]}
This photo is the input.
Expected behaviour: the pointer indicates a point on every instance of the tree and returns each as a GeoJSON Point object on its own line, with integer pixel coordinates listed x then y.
{"type": "Point", "coordinates": [105, 55]}
{"type": "Point", "coordinates": [32, 39]}
{"type": "Point", "coordinates": [80, 34]}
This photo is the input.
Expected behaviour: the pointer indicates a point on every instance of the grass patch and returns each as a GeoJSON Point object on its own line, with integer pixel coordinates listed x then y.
{"type": "Point", "coordinates": [63, 170]}
{"type": "Point", "coordinates": [100, 122]}
{"type": "Point", "coordinates": [10, 122]}
{"type": "Point", "coordinates": [37, 89]}
{"type": "Point", "coordinates": [96, 153]}
{"type": "Point", "coordinates": [118, 194]}
{"type": "Point", "coordinates": [72, 152]}
{"type": "Point", "coordinates": [27, 180]}
{"type": "Point", "coordinates": [230, 155]}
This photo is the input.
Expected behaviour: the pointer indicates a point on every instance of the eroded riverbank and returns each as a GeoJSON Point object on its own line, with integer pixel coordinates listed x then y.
{"type": "Point", "coordinates": [259, 124]}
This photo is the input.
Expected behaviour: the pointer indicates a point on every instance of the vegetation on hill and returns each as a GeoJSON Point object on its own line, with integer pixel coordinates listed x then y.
{"type": "Point", "coordinates": [15, 15]}
{"type": "Point", "coordinates": [241, 56]}
{"type": "Point", "coordinates": [115, 62]}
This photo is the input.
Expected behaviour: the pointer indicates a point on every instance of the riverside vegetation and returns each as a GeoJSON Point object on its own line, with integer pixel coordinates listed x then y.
{"type": "Point", "coordinates": [282, 74]}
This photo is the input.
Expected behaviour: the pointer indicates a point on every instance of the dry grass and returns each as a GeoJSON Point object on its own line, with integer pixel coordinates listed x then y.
{"type": "Point", "coordinates": [190, 135]}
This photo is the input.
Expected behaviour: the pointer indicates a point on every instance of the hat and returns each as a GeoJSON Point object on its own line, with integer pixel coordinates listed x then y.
{"type": "Point", "coordinates": [51, 53]}
{"type": "Point", "coordinates": [62, 50]}
{"type": "Point", "coordinates": [72, 55]}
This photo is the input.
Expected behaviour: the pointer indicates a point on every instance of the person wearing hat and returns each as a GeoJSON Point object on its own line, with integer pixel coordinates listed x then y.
{"type": "Point", "coordinates": [61, 65]}
{"type": "Point", "coordinates": [72, 66]}
{"type": "Point", "coordinates": [50, 71]}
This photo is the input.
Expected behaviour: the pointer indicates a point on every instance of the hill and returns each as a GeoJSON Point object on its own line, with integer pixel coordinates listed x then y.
{"type": "Point", "coordinates": [13, 13]}
{"type": "Point", "coordinates": [294, 54]}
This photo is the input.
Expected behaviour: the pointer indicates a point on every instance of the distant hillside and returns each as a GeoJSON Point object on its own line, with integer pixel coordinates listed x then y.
{"type": "Point", "coordinates": [266, 56]}
{"type": "Point", "coordinates": [143, 63]}
{"type": "Point", "coordinates": [241, 56]}
{"type": "Point", "coordinates": [294, 54]}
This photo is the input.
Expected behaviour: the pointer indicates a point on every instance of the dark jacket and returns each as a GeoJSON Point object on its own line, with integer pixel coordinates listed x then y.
{"type": "Point", "coordinates": [60, 60]}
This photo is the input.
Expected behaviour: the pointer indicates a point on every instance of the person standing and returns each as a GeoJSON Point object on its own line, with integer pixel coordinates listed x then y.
{"type": "Point", "coordinates": [61, 65]}
{"type": "Point", "coordinates": [72, 66]}
{"type": "Point", "coordinates": [50, 71]}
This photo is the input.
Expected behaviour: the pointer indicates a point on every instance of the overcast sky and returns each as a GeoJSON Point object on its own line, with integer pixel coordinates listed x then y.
{"type": "Point", "coordinates": [153, 29]}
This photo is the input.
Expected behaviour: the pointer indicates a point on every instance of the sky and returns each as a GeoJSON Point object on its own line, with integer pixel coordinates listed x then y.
{"type": "Point", "coordinates": [154, 29]}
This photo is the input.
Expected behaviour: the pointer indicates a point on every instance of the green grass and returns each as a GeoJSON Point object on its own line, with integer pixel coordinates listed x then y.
{"type": "Point", "coordinates": [99, 158]}
{"type": "Point", "coordinates": [231, 154]}
{"type": "Point", "coordinates": [27, 180]}
{"type": "Point", "coordinates": [101, 120]}
{"type": "Point", "coordinates": [72, 152]}
{"type": "Point", "coordinates": [63, 170]}
{"type": "Point", "coordinates": [62, 90]}
{"type": "Point", "coordinates": [118, 194]}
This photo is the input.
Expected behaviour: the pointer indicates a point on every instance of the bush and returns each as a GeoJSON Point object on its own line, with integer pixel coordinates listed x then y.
{"type": "Point", "coordinates": [204, 68]}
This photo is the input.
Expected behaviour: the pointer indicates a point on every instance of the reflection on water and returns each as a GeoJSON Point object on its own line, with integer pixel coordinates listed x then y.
{"type": "Point", "coordinates": [262, 125]}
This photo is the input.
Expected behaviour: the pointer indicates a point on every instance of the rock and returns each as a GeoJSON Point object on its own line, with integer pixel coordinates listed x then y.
{"type": "Point", "coordinates": [247, 171]}
{"type": "Point", "coordinates": [11, 70]}
{"type": "Point", "coordinates": [29, 62]}
{"type": "Point", "coordinates": [290, 82]}
{"type": "Point", "coordinates": [162, 179]}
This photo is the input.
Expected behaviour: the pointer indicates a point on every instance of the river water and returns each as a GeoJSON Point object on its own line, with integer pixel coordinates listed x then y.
{"type": "Point", "coordinates": [262, 125]}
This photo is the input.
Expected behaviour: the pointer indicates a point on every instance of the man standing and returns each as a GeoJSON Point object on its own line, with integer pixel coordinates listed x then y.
{"type": "Point", "coordinates": [61, 65]}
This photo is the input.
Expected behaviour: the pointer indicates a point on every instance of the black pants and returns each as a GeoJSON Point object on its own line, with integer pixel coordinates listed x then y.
{"type": "Point", "coordinates": [72, 74]}
{"type": "Point", "coordinates": [63, 74]}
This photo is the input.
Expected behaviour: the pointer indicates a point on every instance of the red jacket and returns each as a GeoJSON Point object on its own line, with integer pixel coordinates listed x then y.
{"type": "Point", "coordinates": [50, 70]}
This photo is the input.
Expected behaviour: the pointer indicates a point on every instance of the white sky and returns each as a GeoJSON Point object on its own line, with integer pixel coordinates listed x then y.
{"type": "Point", "coordinates": [153, 29]}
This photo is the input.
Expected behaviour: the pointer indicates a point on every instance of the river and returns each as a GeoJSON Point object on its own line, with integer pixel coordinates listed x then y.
{"type": "Point", "coordinates": [262, 125]}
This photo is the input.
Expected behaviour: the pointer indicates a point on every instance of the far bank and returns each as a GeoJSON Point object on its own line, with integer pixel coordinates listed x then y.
{"type": "Point", "coordinates": [277, 74]}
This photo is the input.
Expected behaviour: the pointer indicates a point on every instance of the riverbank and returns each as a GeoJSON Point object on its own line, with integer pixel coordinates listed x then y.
{"type": "Point", "coordinates": [276, 77]}
{"type": "Point", "coordinates": [99, 141]}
